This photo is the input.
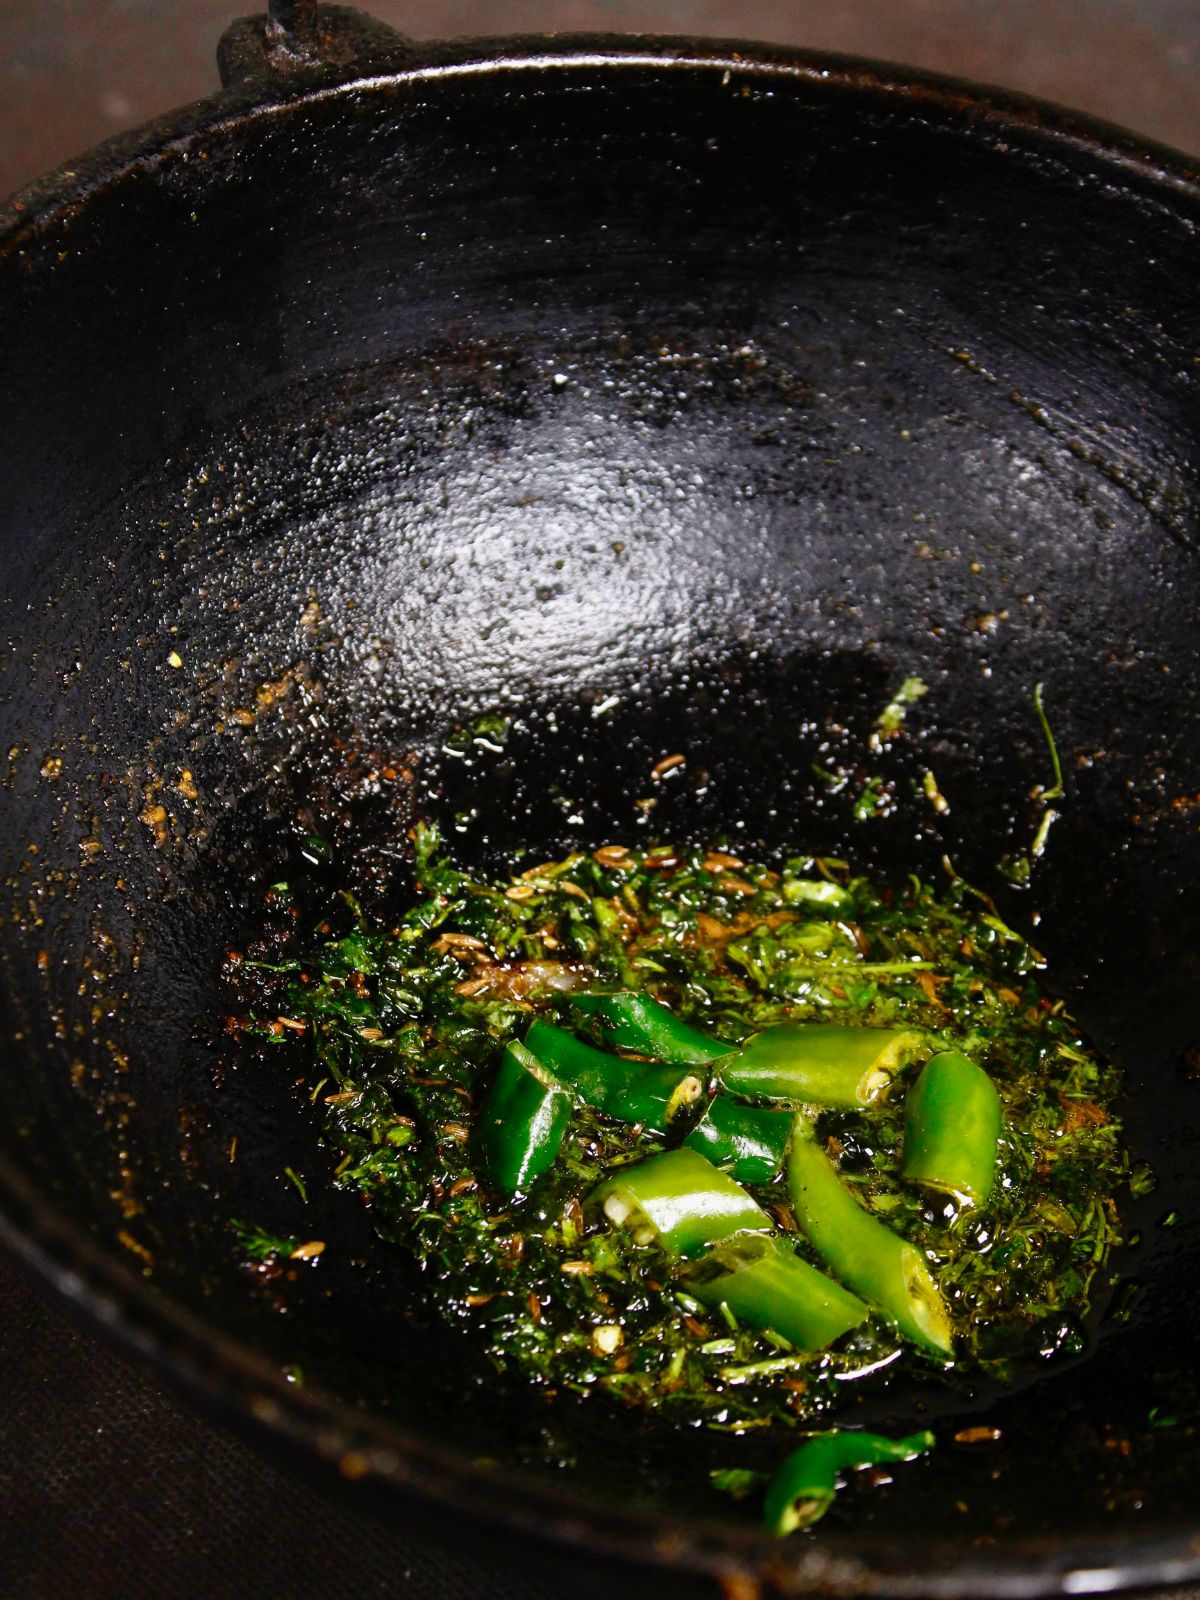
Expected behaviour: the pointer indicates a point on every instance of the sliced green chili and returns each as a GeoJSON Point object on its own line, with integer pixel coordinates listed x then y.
{"type": "Point", "coordinates": [679, 1200]}
{"type": "Point", "coordinates": [802, 1490]}
{"type": "Point", "coordinates": [628, 1091]}
{"type": "Point", "coordinates": [748, 1142]}
{"type": "Point", "coordinates": [635, 1022]}
{"type": "Point", "coordinates": [875, 1262]}
{"type": "Point", "coordinates": [767, 1286]}
{"type": "Point", "coordinates": [952, 1122]}
{"type": "Point", "coordinates": [818, 1063]}
{"type": "Point", "coordinates": [523, 1121]}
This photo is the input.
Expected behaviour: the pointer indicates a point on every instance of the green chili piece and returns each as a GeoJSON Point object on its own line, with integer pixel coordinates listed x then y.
{"type": "Point", "coordinates": [802, 1490]}
{"type": "Point", "coordinates": [747, 1142]}
{"type": "Point", "coordinates": [680, 1200]}
{"type": "Point", "coordinates": [635, 1022]}
{"type": "Point", "coordinates": [875, 1262]}
{"type": "Point", "coordinates": [627, 1091]}
{"type": "Point", "coordinates": [767, 1286]}
{"type": "Point", "coordinates": [523, 1121]}
{"type": "Point", "coordinates": [952, 1122]}
{"type": "Point", "coordinates": [818, 1063]}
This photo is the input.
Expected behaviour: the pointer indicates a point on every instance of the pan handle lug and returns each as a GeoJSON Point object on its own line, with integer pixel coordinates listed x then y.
{"type": "Point", "coordinates": [298, 36]}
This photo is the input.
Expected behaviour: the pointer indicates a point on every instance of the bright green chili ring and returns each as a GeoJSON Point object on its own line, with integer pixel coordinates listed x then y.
{"type": "Point", "coordinates": [747, 1142]}
{"type": "Point", "coordinates": [635, 1022]}
{"type": "Point", "coordinates": [627, 1091]}
{"type": "Point", "coordinates": [952, 1122]}
{"type": "Point", "coordinates": [875, 1262]}
{"type": "Point", "coordinates": [679, 1200]}
{"type": "Point", "coordinates": [767, 1286]}
{"type": "Point", "coordinates": [818, 1063]}
{"type": "Point", "coordinates": [523, 1121]}
{"type": "Point", "coordinates": [802, 1490]}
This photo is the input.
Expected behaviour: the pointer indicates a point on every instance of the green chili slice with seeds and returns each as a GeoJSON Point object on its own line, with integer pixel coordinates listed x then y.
{"type": "Point", "coordinates": [627, 1091]}
{"type": "Point", "coordinates": [818, 1063]}
{"type": "Point", "coordinates": [767, 1286]}
{"type": "Point", "coordinates": [865, 1254]}
{"type": "Point", "coordinates": [952, 1123]}
{"type": "Point", "coordinates": [804, 1487]}
{"type": "Point", "coordinates": [680, 1201]}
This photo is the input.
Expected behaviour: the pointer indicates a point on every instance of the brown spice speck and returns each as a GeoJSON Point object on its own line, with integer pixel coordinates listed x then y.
{"type": "Point", "coordinates": [1081, 1114]}
{"type": "Point", "coordinates": [739, 1586]}
{"type": "Point", "coordinates": [719, 861]}
{"type": "Point", "coordinates": [928, 983]}
{"type": "Point", "coordinates": [573, 889]}
{"type": "Point", "coordinates": [136, 1248]}
{"type": "Point", "coordinates": [610, 855]}
{"type": "Point", "coordinates": [455, 942]}
{"type": "Point", "coordinates": [155, 818]}
{"type": "Point", "coordinates": [978, 1435]}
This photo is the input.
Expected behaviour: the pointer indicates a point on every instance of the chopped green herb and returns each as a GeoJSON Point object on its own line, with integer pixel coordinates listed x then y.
{"type": "Point", "coordinates": [1162, 1419]}
{"type": "Point", "coordinates": [1143, 1180]}
{"type": "Point", "coordinates": [929, 787]}
{"type": "Point", "coordinates": [873, 800]}
{"type": "Point", "coordinates": [737, 1482]}
{"type": "Point", "coordinates": [1049, 818]}
{"type": "Point", "coordinates": [259, 1245]}
{"type": "Point", "coordinates": [891, 719]}
{"type": "Point", "coordinates": [1055, 791]}
{"type": "Point", "coordinates": [408, 1022]}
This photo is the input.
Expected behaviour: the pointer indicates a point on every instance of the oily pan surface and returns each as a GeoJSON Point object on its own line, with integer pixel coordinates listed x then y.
{"type": "Point", "coordinates": [594, 415]}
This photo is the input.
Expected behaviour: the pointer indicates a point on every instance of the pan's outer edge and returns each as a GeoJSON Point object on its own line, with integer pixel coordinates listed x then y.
{"type": "Point", "coordinates": [196, 1357]}
{"type": "Point", "coordinates": [38, 202]}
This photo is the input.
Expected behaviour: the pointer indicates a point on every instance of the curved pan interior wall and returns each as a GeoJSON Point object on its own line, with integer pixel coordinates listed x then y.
{"type": "Point", "coordinates": [656, 403]}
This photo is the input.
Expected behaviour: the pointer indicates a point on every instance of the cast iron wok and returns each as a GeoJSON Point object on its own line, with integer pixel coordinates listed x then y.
{"type": "Point", "coordinates": [661, 397]}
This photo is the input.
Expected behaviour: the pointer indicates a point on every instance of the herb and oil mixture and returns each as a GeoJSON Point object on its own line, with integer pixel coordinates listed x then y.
{"type": "Point", "coordinates": [618, 1104]}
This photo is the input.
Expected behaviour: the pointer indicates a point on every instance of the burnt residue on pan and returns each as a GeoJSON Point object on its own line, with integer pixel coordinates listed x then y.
{"type": "Point", "coordinates": [655, 407]}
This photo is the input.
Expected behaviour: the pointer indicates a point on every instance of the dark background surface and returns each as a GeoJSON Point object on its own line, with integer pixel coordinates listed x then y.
{"type": "Point", "coordinates": [108, 1486]}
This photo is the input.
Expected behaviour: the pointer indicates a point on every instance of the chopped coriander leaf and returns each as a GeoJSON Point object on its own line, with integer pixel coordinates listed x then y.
{"type": "Point", "coordinates": [259, 1245]}
{"type": "Point", "coordinates": [407, 1024]}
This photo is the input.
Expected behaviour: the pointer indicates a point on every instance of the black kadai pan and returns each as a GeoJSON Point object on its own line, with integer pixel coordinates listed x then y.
{"type": "Point", "coordinates": [663, 395]}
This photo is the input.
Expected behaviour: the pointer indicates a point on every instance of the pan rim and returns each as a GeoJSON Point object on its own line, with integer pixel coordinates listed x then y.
{"type": "Point", "coordinates": [226, 1374]}
{"type": "Point", "coordinates": [1159, 165]}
